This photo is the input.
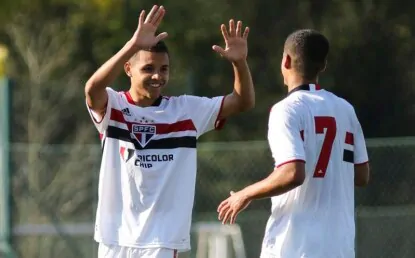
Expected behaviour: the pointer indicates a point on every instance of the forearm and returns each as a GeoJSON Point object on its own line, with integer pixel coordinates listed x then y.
{"type": "Point", "coordinates": [106, 75]}
{"type": "Point", "coordinates": [271, 186]}
{"type": "Point", "coordinates": [243, 85]}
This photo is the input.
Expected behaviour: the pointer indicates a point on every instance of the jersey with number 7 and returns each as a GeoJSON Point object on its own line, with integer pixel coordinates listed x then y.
{"type": "Point", "coordinates": [317, 218]}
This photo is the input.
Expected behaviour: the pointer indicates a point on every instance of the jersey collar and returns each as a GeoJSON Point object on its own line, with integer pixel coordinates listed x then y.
{"type": "Point", "coordinates": [308, 87]}
{"type": "Point", "coordinates": [130, 100]}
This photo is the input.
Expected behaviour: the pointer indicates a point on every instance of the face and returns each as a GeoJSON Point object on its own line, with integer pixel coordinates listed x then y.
{"type": "Point", "coordinates": [149, 73]}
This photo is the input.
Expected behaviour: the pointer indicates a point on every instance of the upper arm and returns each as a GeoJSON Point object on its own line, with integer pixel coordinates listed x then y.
{"type": "Point", "coordinates": [361, 174]}
{"type": "Point", "coordinates": [284, 135]}
{"type": "Point", "coordinates": [361, 159]}
{"type": "Point", "coordinates": [231, 106]}
{"type": "Point", "coordinates": [292, 173]}
{"type": "Point", "coordinates": [360, 151]}
{"type": "Point", "coordinates": [101, 117]}
{"type": "Point", "coordinates": [96, 98]}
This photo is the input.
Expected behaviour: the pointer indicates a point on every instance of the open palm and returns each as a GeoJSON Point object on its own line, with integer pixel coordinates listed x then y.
{"type": "Point", "coordinates": [236, 45]}
{"type": "Point", "coordinates": [144, 37]}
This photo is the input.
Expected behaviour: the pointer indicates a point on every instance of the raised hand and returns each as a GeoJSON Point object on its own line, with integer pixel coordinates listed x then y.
{"type": "Point", "coordinates": [236, 45]}
{"type": "Point", "coordinates": [144, 37]}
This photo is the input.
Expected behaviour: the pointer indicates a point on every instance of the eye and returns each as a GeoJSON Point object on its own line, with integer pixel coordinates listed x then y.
{"type": "Point", "coordinates": [148, 69]}
{"type": "Point", "coordinates": [165, 69]}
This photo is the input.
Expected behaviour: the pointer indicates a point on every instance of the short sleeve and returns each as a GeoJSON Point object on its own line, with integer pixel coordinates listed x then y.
{"type": "Point", "coordinates": [204, 112]}
{"type": "Point", "coordinates": [102, 123]}
{"type": "Point", "coordinates": [284, 135]}
{"type": "Point", "coordinates": [360, 151]}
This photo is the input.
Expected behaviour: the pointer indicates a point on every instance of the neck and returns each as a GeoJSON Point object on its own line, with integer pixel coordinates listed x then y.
{"type": "Point", "coordinates": [142, 100]}
{"type": "Point", "coordinates": [296, 81]}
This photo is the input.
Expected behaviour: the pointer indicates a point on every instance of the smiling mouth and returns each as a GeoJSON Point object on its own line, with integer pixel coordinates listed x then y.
{"type": "Point", "coordinates": [155, 84]}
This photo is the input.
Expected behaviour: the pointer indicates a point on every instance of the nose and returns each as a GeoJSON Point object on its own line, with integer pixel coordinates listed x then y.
{"type": "Point", "coordinates": [156, 76]}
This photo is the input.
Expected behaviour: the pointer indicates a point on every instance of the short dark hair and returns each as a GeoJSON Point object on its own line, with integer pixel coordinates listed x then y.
{"type": "Point", "coordinates": [160, 47]}
{"type": "Point", "coordinates": [308, 49]}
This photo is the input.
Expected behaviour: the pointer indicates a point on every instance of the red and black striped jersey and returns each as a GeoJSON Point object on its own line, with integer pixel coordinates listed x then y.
{"type": "Point", "coordinates": [148, 169]}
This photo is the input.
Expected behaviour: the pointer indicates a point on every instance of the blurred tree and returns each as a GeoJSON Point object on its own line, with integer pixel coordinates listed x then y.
{"type": "Point", "coordinates": [50, 185]}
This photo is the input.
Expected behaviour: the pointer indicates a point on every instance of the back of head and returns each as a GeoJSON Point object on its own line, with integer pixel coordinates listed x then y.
{"type": "Point", "coordinates": [308, 50]}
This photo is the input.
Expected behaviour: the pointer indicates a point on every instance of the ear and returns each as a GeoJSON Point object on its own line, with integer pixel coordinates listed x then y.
{"type": "Point", "coordinates": [127, 68]}
{"type": "Point", "coordinates": [287, 61]}
{"type": "Point", "coordinates": [325, 66]}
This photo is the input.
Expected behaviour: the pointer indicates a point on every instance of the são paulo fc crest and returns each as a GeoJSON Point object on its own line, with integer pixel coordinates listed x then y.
{"type": "Point", "coordinates": [143, 133]}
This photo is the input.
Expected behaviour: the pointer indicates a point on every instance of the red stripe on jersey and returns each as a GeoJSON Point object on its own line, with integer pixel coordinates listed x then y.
{"type": "Point", "coordinates": [349, 138]}
{"type": "Point", "coordinates": [184, 125]}
{"type": "Point", "coordinates": [122, 150]}
{"type": "Point", "coordinates": [302, 134]}
{"type": "Point", "coordinates": [117, 116]}
{"type": "Point", "coordinates": [100, 136]}
{"type": "Point", "coordinates": [129, 98]}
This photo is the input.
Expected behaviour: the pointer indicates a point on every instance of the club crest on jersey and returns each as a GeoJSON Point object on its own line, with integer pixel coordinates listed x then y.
{"type": "Point", "coordinates": [143, 133]}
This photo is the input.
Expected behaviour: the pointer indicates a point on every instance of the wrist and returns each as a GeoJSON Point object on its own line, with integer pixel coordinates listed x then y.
{"type": "Point", "coordinates": [131, 47]}
{"type": "Point", "coordinates": [239, 63]}
{"type": "Point", "coordinates": [246, 195]}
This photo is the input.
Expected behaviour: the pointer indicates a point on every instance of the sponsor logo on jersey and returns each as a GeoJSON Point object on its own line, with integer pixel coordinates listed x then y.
{"type": "Point", "coordinates": [126, 112]}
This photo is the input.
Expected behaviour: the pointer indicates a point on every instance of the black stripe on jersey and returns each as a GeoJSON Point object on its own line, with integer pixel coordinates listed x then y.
{"type": "Point", "coordinates": [348, 156]}
{"type": "Point", "coordinates": [167, 143]}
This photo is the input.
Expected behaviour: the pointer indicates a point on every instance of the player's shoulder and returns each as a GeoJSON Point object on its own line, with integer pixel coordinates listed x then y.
{"type": "Point", "coordinates": [346, 105]}
{"type": "Point", "coordinates": [287, 105]}
{"type": "Point", "coordinates": [118, 94]}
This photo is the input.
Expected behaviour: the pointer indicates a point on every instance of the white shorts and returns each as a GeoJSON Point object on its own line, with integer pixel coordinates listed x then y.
{"type": "Point", "coordinates": [115, 251]}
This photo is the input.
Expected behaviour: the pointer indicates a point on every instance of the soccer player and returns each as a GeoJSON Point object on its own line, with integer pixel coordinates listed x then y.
{"type": "Point", "coordinates": [320, 155]}
{"type": "Point", "coordinates": [148, 169]}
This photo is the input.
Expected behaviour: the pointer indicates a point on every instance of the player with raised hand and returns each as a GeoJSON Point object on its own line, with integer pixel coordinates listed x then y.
{"type": "Point", "coordinates": [320, 155]}
{"type": "Point", "coordinates": [148, 168]}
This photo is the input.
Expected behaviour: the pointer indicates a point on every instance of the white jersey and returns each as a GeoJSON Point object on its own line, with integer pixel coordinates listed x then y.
{"type": "Point", "coordinates": [148, 169]}
{"type": "Point", "coordinates": [315, 220]}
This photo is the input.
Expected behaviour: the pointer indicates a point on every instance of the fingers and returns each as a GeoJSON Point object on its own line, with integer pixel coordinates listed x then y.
{"type": "Point", "coordinates": [219, 50]}
{"type": "Point", "coordinates": [246, 32]}
{"type": "Point", "coordinates": [159, 16]}
{"type": "Point", "coordinates": [151, 14]}
{"type": "Point", "coordinates": [224, 32]}
{"type": "Point", "coordinates": [221, 205]}
{"type": "Point", "coordinates": [232, 30]}
{"type": "Point", "coordinates": [222, 208]}
{"type": "Point", "coordinates": [227, 216]}
{"type": "Point", "coordinates": [141, 18]}
{"type": "Point", "coordinates": [161, 36]}
{"type": "Point", "coordinates": [155, 16]}
{"type": "Point", "coordinates": [239, 29]}
{"type": "Point", "coordinates": [223, 212]}
{"type": "Point", "coordinates": [233, 217]}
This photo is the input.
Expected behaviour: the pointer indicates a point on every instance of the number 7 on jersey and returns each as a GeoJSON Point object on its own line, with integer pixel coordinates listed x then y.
{"type": "Point", "coordinates": [321, 123]}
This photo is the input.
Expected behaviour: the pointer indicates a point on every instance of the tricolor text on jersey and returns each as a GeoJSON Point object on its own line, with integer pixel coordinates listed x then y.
{"type": "Point", "coordinates": [141, 160]}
